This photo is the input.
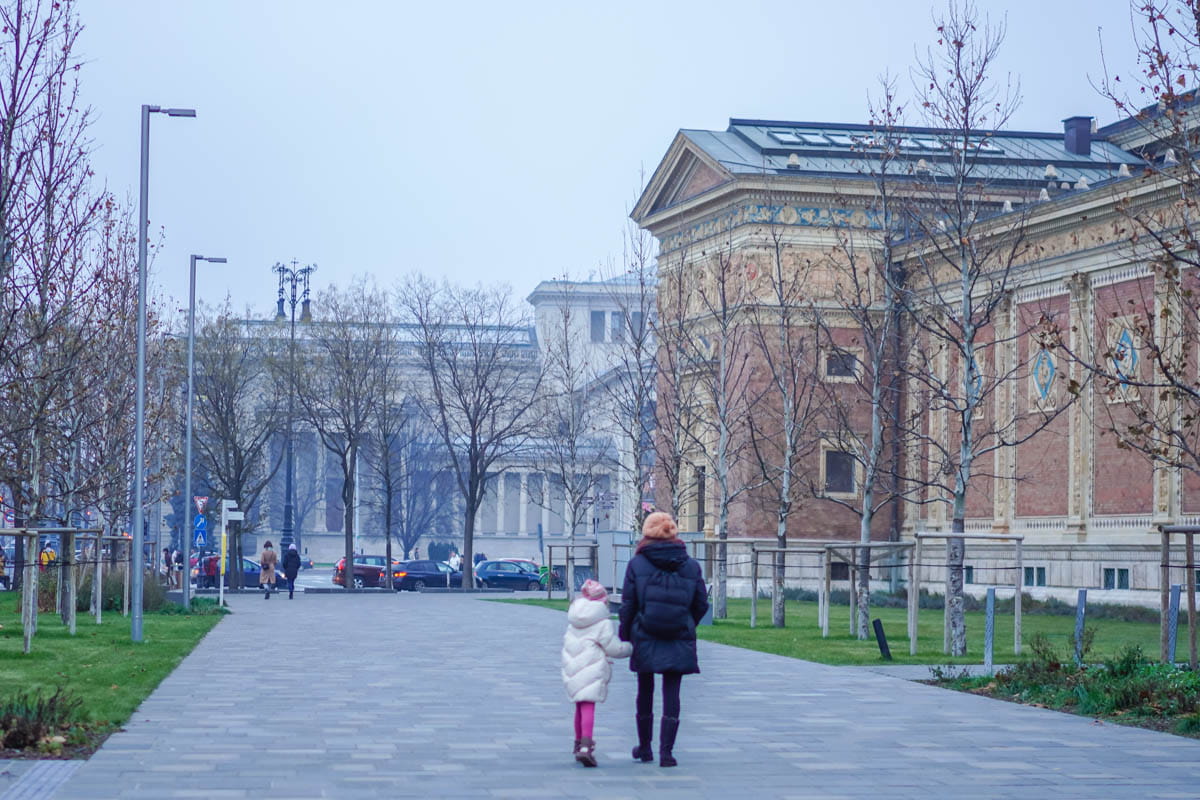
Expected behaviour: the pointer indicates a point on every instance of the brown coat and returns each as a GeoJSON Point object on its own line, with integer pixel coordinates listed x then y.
{"type": "Point", "coordinates": [268, 560]}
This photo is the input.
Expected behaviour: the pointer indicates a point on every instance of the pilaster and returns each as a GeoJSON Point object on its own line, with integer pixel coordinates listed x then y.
{"type": "Point", "coordinates": [1082, 325]}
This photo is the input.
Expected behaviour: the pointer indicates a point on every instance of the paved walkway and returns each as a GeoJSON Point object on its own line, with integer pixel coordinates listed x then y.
{"type": "Point", "coordinates": [456, 697]}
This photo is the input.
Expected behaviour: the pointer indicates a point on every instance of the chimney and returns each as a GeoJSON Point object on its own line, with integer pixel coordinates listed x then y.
{"type": "Point", "coordinates": [1077, 135]}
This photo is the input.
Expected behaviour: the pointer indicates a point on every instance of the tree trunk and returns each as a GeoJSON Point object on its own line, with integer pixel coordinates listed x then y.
{"type": "Point", "coordinates": [720, 607]}
{"type": "Point", "coordinates": [468, 554]}
{"type": "Point", "coordinates": [387, 532]}
{"type": "Point", "coordinates": [348, 516]}
{"type": "Point", "coordinates": [863, 572]}
{"type": "Point", "coordinates": [955, 551]}
{"type": "Point", "coordinates": [778, 607]}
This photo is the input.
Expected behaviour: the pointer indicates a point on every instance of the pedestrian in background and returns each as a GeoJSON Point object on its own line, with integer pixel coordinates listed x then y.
{"type": "Point", "coordinates": [291, 568]}
{"type": "Point", "coordinates": [455, 561]}
{"type": "Point", "coordinates": [266, 578]}
{"type": "Point", "coordinates": [588, 647]}
{"type": "Point", "coordinates": [662, 600]}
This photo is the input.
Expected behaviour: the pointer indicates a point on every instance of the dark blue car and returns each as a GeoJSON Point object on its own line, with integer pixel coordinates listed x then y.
{"type": "Point", "coordinates": [519, 575]}
{"type": "Point", "coordinates": [416, 575]}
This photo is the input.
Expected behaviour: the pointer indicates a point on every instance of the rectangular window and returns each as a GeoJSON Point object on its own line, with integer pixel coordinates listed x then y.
{"type": "Point", "coordinates": [841, 364]}
{"type": "Point", "coordinates": [1035, 576]}
{"type": "Point", "coordinates": [598, 326]}
{"type": "Point", "coordinates": [968, 574]}
{"type": "Point", "coordinates": [839, 472]}
{"type": "Point", "coordinates": [1116, 578]}
{"type": "Point", "coordinates": [839, 571]}
{"type": "Point", "coordinates": [635, 324]}
{"type": "Point", "coordinates": [617, 329]}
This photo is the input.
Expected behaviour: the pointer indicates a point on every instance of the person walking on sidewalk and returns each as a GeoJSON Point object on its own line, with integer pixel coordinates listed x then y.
{"type": "Point", "coordinates": [662, 600]}
{"type": "Point", "coordinates": [291, 568]}
{"type": "Point", "coordinates": [588, 647]}
{"type": "Point", "coordinates": [266, 578]}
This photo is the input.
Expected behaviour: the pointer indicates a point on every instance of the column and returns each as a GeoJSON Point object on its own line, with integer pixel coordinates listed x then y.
{"type": "Point", "coordinates": [1008, 380]}
{"type": "Point", "coordinates": [1079, 417]}
{"type": "Point", "coordinates": [523, 521]}
{"type": "Point", "coordinates": [1168, 334]}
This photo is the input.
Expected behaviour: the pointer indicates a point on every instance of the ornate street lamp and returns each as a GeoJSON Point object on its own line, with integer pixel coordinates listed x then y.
{"type": "Point", "coordinates": [295, 279]}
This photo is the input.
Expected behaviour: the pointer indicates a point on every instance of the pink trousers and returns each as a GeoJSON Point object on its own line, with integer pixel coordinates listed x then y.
{"type": "Point", "coordinates": [585, 719]}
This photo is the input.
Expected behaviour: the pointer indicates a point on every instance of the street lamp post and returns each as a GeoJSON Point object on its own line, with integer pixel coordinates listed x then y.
{"type": "Point", "coordinates": [187, 456]}
{"type": "Point", "coordinates": [296, 278]}
{"type": "Point", "coordinates": [137, 558]}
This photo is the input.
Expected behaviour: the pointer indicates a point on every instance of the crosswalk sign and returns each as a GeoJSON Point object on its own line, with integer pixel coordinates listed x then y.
{"type": "Point", "coordinates": [201, 538]}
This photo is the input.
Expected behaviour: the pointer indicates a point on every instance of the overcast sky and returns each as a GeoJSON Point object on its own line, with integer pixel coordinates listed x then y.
{"type": "Point", "coordinates": [486, 141]}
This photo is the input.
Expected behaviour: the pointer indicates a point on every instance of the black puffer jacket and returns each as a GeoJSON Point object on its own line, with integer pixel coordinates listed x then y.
{"type": "Point", "coordinates": [661, 601]}
{"type": "Point", "coordinates": [291, 564]}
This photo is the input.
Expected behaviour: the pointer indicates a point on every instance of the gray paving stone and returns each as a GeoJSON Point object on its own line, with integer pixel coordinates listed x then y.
{"type": "Point", "coordinates": [449, 696]}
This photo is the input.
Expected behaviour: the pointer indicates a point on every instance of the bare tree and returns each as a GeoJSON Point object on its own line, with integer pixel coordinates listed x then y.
{"type": "Point", "coordinates": [963, 267]}
{"type": "Point", "coordinates": [628, 382]}
{"type": "Point", "coordinates": [480, 362]}
{"type": "Point", "coordinates": [237, 411]}
{"type": "Point", "coordinates": [566, 447]}
{"type": "Point", "coordinates": [780, 436]}
{"type": "Point", "coordinates": [341, 380]}
{"type": "Point", "coordinates": [720, 347]}
{"type": "Point", "coordinates": [863, 346]}
{"type": "Point", "coordinates": [1144, 363]}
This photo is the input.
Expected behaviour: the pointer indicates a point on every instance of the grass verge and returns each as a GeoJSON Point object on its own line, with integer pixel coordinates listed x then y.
{"type": "Point", "coordinates": [801, 638]}
{"type": "Point", "coordinates": [99, 666]}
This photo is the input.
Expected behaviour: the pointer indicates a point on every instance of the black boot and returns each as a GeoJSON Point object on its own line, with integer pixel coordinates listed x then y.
{"type": "Point", "coordinates": [645, 731]}
{"type": "Point", "coordinates": [666, 735]}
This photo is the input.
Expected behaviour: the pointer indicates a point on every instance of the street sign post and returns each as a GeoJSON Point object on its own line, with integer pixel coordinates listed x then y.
{"type": "Point", "coordinates": [228, 515]}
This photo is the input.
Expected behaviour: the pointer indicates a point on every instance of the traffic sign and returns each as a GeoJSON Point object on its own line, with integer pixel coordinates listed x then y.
{"type": "Point", "coordinates": [201, 522]}
{"type": "Point", "coordinates": [201, 504]}
{"type": "Point", "coordinates": [201, 538]}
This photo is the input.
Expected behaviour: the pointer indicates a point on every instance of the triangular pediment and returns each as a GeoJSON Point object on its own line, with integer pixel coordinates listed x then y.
{"type": "Point", "coordinates": [685, 172]}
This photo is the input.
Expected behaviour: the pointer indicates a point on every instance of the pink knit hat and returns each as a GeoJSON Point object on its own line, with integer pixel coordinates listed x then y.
{"type": "Point", "coordinates": [593, 590]}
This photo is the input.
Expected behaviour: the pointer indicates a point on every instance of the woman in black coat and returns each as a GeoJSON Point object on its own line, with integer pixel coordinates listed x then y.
{"type": "Point", "coordinates": [662, 600]}
{"type": "Point", "coordinates": [291, 568]}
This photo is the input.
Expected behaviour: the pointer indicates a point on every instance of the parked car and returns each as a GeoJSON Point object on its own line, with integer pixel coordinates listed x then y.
{"type": "Point", "coordinates": [368, 571]}
{"type": "Point", "coordinates": [416, 575]}
{"type": "Point", "coordinates": [544, 573]}
{"type": "Point", "coordinates": [251, 569]}
{"type": "Point", "coordinates": [509, 574]}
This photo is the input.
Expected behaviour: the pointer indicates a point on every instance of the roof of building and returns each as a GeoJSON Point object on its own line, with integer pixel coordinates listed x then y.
{"type": "Point", "coordinates": [751, 146]}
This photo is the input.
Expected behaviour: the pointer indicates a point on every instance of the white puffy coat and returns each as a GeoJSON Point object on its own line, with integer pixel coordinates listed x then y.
{"type": "Point", "coordinates": [589, 644]}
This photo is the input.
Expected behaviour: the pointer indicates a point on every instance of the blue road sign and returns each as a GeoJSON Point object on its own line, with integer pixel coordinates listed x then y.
{"type": "Point", "coordinates": [201, 522]}
{"type": "Point", "coordinates": [201, 538]}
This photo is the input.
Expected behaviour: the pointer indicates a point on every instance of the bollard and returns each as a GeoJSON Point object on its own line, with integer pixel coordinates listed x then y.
{"type": "Point", "coordinates": [989, 630]}
{"type": "Point", "coordinates": [884, 650]}
{"type": "Point", "coordinates": [1080, 616]}
{"type": "Point", "coordinates": [1173, 621]}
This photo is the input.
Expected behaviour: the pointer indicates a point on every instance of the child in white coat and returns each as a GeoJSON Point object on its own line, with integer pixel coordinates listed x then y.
{"type": "Point", "coordinates": [588, 647]}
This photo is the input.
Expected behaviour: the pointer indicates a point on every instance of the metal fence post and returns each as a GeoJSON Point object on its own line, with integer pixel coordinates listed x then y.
{"type": "Point", "coordinates": [989, 630]}
{"type": "Point", "coordinates": [1173, 622]}
{"type": "Point", "coordinates": [1080, 620]}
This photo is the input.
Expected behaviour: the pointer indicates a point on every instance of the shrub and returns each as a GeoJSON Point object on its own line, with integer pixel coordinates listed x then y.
{"type": "Point", "coordinates": [154, 594]}
{"type": "Point", "coordinates": [29, 717]}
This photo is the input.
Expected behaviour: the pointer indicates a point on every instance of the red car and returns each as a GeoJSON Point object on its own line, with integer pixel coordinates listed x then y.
{"type": "Point", "coordinates": [368, 571]}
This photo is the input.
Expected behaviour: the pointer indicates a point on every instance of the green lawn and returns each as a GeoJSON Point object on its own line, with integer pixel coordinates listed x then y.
{"type": "Point", "coordinates": [99, 664]}
{"type": "Point", "coordinates": [802, 638]}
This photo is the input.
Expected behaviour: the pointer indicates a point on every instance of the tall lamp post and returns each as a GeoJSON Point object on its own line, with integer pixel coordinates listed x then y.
{"type": "Point", "coordinates": [137, 558]}
{"type": "Point", "coordinates": [187, 448]}
{"type": "Point", "coordinates": [296, 279]}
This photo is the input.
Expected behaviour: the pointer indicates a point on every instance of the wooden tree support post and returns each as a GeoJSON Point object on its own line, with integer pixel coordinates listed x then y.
{"type": "Point", "coordinates": [1191, 598]}
{"type": "Point", "coordinates": [1164, 581]}
{"type": "Point", "coordinates": [754, 587]}
{"type": "Point", "coordinates": [98, 581]}
{"type": "Point", "coordinates": [128, 558]}
{"type": "Point", "coordinates": [68, 595]}
{"type": "Point", "coordinates": [1080, 623]}
{"type": "Point", "coordinates": [826, 590]}
{"type": "Point", "coordinates": [914, 595]}
{"type": "Point", "coordinates": [1189, 532]}
{"type": "Point", "coordinates": [989, 630]}
{"type": "Point", "coordinates": [1017, 599]}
